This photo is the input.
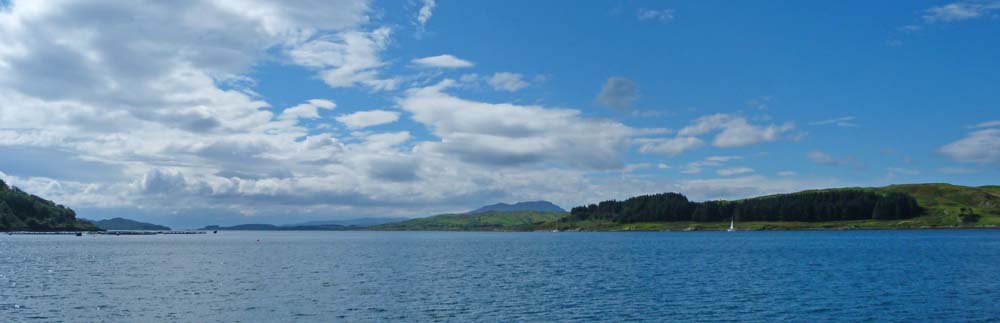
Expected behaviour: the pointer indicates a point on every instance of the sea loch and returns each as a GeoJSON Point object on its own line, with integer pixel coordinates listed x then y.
{"type": "Point", "coordinates": [921, 275]}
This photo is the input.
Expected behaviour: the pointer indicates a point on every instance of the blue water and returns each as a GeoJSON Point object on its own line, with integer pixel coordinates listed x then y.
{"type": "Point", "coordinates": [855, 276]}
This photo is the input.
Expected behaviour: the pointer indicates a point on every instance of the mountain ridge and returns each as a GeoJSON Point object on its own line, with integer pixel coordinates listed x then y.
{"type": "Point", "coordinates": [538, 206]}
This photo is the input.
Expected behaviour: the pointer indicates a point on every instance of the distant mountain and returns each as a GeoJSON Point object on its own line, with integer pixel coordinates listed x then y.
{"type": "Point", "coordinates": [126, 224]}
{"type": "Point", "coordinates": [271, 227]}
{"type": "Point", "coordinates": [359, 222]}
{"type": "Point", "coordinates": [484, 221]}
{"type": "Point", "coordinates": [539, 206]}
{"type": "Point", "coordinates": [20, 211]}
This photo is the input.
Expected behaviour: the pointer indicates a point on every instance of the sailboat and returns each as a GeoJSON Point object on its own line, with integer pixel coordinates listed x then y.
{"type": "Point", "coordinates": [732, 225]}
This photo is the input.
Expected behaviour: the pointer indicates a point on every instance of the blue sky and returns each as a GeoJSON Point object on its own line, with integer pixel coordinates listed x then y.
{"type": "Point", "coordinates": [259, 111]}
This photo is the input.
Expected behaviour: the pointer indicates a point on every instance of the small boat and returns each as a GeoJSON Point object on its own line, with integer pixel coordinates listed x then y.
{"type": "Point", "coordinates": [79, 234]}
{"type": "Point", "coordinates": [732, 225]}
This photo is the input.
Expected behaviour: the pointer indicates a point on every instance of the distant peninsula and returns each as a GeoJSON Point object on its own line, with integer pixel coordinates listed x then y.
{"type": "Point", "coordinates": [127, 224]}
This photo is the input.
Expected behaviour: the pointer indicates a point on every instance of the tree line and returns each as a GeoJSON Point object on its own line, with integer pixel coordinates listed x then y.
{"type": "Point", "coordinates": [810, 206]}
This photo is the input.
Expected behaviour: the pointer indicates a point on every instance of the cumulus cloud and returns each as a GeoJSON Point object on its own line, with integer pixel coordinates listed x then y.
{"type": "Point", "coordinates": [364, 119]}
{"type": "Point", "coordinates": [347, 58]}
{"type": "Point", "coordinates": [505, 81]}
{"type": "Point", "coordinates": [618, 92]}
{"type": "Point", "coordinates": [442, 61]}
{"type": "Point", "coordinates": [164, 100]}
{"type": "Point", "coordinates": [736, 131]}
{"type": "Point", "coordinates": [509, 134]}
{"type": "Point", "coordinates": [960, 11]}
{"type": "Point", "coordinates": [308, 110]}
{"type": "Point", "coordinates": [980, 147]}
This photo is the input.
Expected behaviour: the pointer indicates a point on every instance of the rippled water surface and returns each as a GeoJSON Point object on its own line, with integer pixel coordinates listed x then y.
{"type": "Point", "coordinates": [943, 276]}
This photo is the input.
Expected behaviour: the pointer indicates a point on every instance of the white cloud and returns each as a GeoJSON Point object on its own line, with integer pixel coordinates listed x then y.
{"type": "Point", "coordinates": [671, 146]}
{"type": "Point", "coordinates": [787, 173]}
{"type": "Point", "coordinates": [442, 61]}
{"type": "Point", "coordinates": [980, 147]}
{"type": "Point", "coordinates": [734, 171]}
{"type": "Point", "coordinates": [308, 110]}
{"type": "Point", "coordinates": [663, 15]}
{"type": "Point", "coordinates": [846, 122]}
{"type": "Point", "coordinates": [347, 58]}
{"type": "Point", "coordinates": [364, 119]}
{"type": "Point", "coordinates": [508, 134]}
{"type": "Point", "coordinates": [711, 161]}
{"type": "Point", "coordinates": [959, 11]}
{"type": "Point", "coordinates": [509, 82]}
{"type": "Point", "coordinates": [735, 130]}
{"type": "Point", "coordinates": [425, 13]}
{"type": "Point", "coordinates": [618, 92]}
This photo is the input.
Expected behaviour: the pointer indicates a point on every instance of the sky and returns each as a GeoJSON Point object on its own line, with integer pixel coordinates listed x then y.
{"type": "Point", "coordinates": [190, 113]}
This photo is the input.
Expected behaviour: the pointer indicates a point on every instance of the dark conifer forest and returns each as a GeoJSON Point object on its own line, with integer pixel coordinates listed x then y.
{"type": "Point", "coordinates": [808, 206]}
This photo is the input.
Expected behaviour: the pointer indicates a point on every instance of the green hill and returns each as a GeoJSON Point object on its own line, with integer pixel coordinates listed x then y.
{"type": "Point", "coordinates": [20, 211]}
{"type": "Point", "coordinates": [944, 203]}
{"type": "Point", "coordinates": [486, 221]}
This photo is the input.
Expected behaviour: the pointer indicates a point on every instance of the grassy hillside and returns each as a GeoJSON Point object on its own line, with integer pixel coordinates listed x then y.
{"type": "Point", "coordinates": [20, 211]}
{"type": "Point", "coordinates": [943, 202]}
{"type": "Point", "coordinates": [494, 220]}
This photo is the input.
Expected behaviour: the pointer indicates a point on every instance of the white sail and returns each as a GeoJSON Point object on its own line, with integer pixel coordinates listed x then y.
{"type": "Point", "coordinates": [732, 225]}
